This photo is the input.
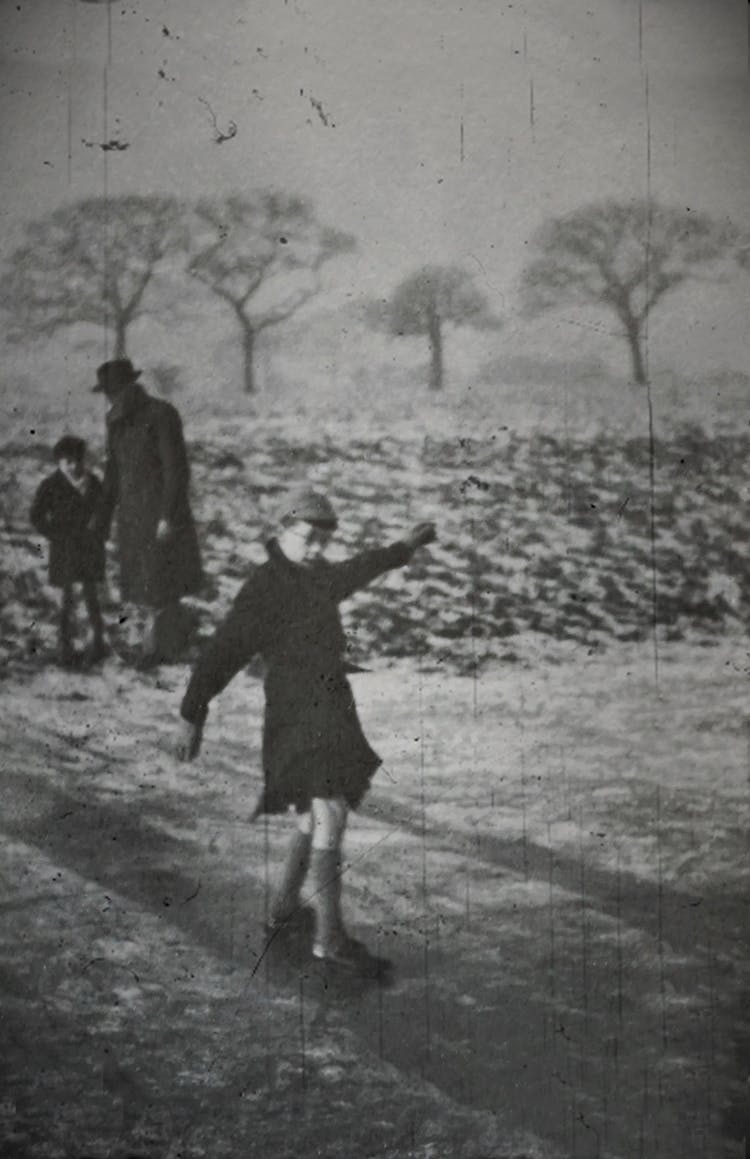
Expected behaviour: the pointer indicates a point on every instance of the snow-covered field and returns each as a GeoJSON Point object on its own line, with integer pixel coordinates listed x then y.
{"type": "Point", "coordinates": [554, 852]}
{"type": "Point", "coordinates": [540, 536]}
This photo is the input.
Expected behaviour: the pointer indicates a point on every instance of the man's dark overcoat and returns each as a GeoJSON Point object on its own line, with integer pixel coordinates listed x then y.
{"type": "Point", "coordinates": [147, 479]}
{"type": "Point", "coordinates": [313, 744]}
{"type": "Point", "coordinates": [62, 512]}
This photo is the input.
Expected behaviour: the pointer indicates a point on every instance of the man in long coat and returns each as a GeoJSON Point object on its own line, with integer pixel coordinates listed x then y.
{"type": "Point", "coordinates": [146, 480]}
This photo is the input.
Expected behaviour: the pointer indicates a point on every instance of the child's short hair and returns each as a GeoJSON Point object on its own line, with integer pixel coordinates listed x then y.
{"type": "Point", "coordinates": [69, 447]}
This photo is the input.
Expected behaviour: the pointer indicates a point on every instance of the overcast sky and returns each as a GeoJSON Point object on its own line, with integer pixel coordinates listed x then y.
{"type": "Point", "coordinates": [432, 130]}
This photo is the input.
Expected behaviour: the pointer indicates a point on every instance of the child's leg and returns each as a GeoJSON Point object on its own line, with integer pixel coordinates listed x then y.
{"type": "Point", "coordinates": [91, 600]}
{"type": "Point", "coordinates": [66, 624]}
{"type": "Point", "coordinates": [287, 899]}
{"type": "Point", "coordinates": [329, 816]}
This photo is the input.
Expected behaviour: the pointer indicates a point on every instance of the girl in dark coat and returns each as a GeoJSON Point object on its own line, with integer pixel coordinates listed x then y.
{"type": "Point", "coordinates": [315, 756]}
{"type": "Point", "coordinates": [147, 480]}
{"type": "Point", "coordinates": [62, 511]}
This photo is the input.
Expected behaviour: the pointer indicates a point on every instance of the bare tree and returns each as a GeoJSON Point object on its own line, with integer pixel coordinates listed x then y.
{"type": "Point", "coordinates": [424, 302]}
{"type": "Point", "coordinates": [624, 257]}
{"type": "Point", "coordinates": [91, 262]}
{"type": "Point", "coordinates": [262, 255]}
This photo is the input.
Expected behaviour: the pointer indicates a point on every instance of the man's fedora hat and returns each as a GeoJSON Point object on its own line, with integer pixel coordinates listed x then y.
{"type": "Point", "coordinates": [116, 374]}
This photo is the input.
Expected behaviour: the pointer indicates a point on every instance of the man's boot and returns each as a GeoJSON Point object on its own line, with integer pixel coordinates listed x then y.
{"type": "Point", "coordinates": [149, 655]}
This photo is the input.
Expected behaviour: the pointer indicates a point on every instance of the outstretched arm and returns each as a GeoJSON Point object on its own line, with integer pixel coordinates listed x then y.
{"type": "Point", "coordinates": [233, 645]}
{"type": "Point", "coordinates": [357, 572]}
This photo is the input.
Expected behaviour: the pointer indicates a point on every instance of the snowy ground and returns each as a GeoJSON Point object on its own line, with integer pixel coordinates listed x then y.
{"type": "Point", "coordinates": [554, 852]}
{"type": "Point", "coordinates": [555, 857]}
{"type": "Point", "coordinates": [539, 535]}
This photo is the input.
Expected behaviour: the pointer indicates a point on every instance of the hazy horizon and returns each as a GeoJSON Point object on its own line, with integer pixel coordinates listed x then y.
{"type": "Point", "coordinates": [436, 133]}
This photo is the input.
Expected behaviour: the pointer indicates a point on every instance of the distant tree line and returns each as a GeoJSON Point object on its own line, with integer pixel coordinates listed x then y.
{"type": "Point", "coordinates": [103, 260]}
{"type": "Point", "coordinates": [110, 261]}
{"type": "Point", "coordinates": [623, 257]}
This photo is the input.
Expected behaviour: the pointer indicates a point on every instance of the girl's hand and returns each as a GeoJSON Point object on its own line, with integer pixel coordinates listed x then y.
{"type": "Point", "coordinates": [421, 535]}
{"type": "Point", "coordinates": [189, 737]}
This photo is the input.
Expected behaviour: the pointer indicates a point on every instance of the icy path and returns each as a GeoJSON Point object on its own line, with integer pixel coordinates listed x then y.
{"type": "Point", "coordinates": [568, 945]}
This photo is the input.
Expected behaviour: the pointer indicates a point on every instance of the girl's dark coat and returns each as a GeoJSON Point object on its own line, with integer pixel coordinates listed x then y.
{"type": "Point", "coordinates": [62, 514]}
{"type": "Point", "coordinates": [147, 479]}
{"type": "Point", "coordinates": [313, 744]}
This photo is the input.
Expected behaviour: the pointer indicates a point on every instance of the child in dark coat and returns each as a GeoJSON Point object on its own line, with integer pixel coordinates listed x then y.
{"type": "Point", "coordinates": [315, 756]}
{"type": "Point", "coordinates": [63, 510]}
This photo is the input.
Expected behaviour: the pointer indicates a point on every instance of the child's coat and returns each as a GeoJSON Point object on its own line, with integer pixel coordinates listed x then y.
{"type": "Point", "coordinates": [62, 512]}
{"type": "Point", "coordinates": [313, 744]}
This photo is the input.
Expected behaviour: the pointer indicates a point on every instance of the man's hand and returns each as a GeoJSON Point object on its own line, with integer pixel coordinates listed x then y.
{"type": "Point", "coordinates": [189, 737]}
{"type": "Point", "coordinates": [163, 530]}
{"type": "Point", "coordinates": [421, 535]}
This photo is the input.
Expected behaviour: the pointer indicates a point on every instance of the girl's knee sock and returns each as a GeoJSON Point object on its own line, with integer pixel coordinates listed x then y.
{"type": "Point", "coordinates": [286, 900]}
{"type": "Point", "coordinates": [325, 879]}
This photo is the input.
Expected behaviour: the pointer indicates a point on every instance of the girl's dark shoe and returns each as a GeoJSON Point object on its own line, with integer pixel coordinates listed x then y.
{"type": "Point", "coordinates": [353, 956]}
